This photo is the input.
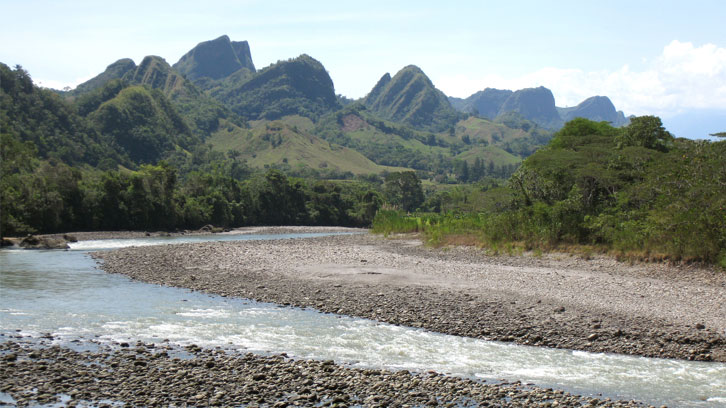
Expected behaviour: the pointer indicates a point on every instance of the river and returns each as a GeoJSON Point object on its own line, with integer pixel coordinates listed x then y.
{"type": "Point", "coordinates": [63, 294]}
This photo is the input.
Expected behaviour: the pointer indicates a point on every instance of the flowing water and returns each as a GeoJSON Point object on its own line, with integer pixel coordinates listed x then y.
{"type": "Point", "coordinates": [62, 293]}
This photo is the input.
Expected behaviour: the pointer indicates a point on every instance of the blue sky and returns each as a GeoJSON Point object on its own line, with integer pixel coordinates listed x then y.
{"type": "Point", "coordinates": [650, 57]}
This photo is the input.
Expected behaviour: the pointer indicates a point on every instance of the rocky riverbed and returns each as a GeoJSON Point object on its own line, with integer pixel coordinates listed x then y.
{"type": "Point", "coordinates": [555, 300]}
{"type": "Point", "coordinates": [162, 375]}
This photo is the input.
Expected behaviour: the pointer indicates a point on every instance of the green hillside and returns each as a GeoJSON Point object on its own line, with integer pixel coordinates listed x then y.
{"type": "Point", "coordinates": [411, 98]}
{"type": "Point", "coordinates": [201, 112]}
{"type": "Point", "coordinates": [143, 124]}
{"type": "Point", "coordinates": [393, 144]}
{"type": "Point", "coordinates": [117, 70]}
{"type": "Point", "coordinates": [299, 86]}
{"type": "Point", "coordinates": [43, 119]}
{"type": "Point", "coordinates": [283, 143]}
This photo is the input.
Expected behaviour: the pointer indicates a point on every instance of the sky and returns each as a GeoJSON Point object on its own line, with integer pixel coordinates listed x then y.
{"type": "Point", "coordinates": [666, 58]}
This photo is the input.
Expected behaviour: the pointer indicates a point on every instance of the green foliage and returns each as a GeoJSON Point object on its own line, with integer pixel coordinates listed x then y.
{"type": "Point", "coordinates": [143, 124]}
{"type": "Point", "coordinates": [299, 86]}
{"type": "Point", "coordinates": [404, 190]}
{"type": "Point", "coordinates": [31, 114]}
{"type": "Point", "coordinates": [55, 198]}
{"type": "Point", "coordinates": [587, 187]}
{"type": "Point", "coordinates": [411, 98]}
{"type": "Point", "coordinates": [648, 132]}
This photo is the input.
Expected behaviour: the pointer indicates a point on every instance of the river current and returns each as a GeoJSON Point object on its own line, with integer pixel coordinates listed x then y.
{"type": "Point", "coordinates": [63, 293]}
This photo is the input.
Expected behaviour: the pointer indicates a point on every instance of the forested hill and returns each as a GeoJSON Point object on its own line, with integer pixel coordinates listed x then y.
{"type": "Point", "coordinates": [47, 124]}
{"type": "Point", "coordinates": [411, 98]}
{"type": "Point", "coordinates": [299, 86]}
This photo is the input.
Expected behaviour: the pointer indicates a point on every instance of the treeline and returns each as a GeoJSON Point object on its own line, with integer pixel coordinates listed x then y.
{"type": "Point", "coordinates": [636, 191]}
{"type": "Point", "coordinates": [54, 197]}
{"type": "Point", "coordinates": [40, 195]}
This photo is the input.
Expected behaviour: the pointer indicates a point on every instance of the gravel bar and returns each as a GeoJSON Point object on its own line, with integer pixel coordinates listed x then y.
{"type": "Point", "coordinates": [554, 300]}
{"type": "Point", "coordinates": [166, 376]}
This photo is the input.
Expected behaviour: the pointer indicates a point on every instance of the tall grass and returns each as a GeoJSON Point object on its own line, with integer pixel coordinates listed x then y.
{"type": "Point", "coordinates": [538, 228]}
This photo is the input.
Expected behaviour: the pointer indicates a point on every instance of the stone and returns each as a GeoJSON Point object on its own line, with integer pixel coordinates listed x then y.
{"type": "Point", "coordinates": [36, 242]}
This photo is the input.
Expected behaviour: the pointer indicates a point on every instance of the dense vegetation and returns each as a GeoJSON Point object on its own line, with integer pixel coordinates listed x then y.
{"type": "Point", "coordinates": [298, 86]}
{"type": "Point", "coordinates": [411, 98]}
{"type": "Point", "coordinates": [45, 121]}
{"type": "Point", "coordinates": [49, 196]}
{"type": "Point", "coordinates": [142, 147]}
{"type": "Point", "coordinates": [637, 191]}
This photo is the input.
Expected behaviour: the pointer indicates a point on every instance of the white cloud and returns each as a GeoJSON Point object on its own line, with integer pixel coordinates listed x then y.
{"type": "Point", "coordinates": [53, 84]}
{"type": "Point", "coordinates": [683, 77]}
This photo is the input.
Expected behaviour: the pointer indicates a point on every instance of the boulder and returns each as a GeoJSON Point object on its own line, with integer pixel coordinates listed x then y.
{"type": "Point", "coordinates": [35, 242]}
{"type": "Point", "coordinates": [6, 242]}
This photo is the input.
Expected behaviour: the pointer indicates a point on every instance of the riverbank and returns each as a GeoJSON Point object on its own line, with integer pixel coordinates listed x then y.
{"type": "Point", "coordinates": [553, 300]}
{"type": "Point", "coordinates": [165, 375]}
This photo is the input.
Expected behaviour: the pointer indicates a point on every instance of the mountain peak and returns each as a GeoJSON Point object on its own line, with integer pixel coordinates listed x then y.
{"type": "Point", "coordinates": [117, 70]}
{"type": "Point", "coordinates": [535, 104]}
{"type": "Point", "coordinates": [299, 86]}
{"type": "Point", "coordinates": [596, 108]}
{"type": "Point", "coordinates": [215, 59]}
{"type": "Point", "coordinates": [411, 97]}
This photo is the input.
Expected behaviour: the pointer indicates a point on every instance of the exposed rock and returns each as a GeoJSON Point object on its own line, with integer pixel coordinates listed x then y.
{"type": "Point", "coordinates": [596, 108]}
{"type": "Point", "coordinates": [5, 242]}
{"type": "Point", "coordinates": [535, 104]}
{"type": "Point", "coordinates": [43, 242]}
{"type": "Point", "coordinates": [216, 59]}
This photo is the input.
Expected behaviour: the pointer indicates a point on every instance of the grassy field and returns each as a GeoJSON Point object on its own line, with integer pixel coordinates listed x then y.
{"type": "Point", "coordinates": [290, 142]}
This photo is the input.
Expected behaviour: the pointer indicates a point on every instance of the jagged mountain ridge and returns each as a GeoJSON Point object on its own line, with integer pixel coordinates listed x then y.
{"type": "Point", "coordinates": [215, 59]}
{"type": "Point", "coordinates": [410, 97]}
{"type": "Point", "coordinates": [302, 86]}
{"type": "Point", "coordinates": [537, 105]}
{"type": "Point", "coordinates": [201, 111]}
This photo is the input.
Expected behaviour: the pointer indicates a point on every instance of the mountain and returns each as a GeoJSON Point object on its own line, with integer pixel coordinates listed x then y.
{"type": "Point", "coordinates": [216, 59]}
{"type": "Point", "coordinates": [117, 70]}
{"type": "Point", "coordinates": [291, 143]}
{"type": "Point", "coordinates": [595, 108]}
{"type": "Point", "coordinates": [201, 111]}
{"type": "Point", "coordinates": [538, 106]}
{"type": "Point", "coordinates": [299, 86]}
{"type": "Point", "coordinates": [411, 98]}
{"type": "Point", "coordinates": [40, 117]}
{"type": "Point", "coordinates": [143, 124]}
{"type": "Point", "coordinates": [485, 104]}
{"type": "Point", "coordinates": [158, 74]}
{"type": "Point", "coordinates": [153, 71]}
{"type": "Point", "coordinates": [535, 104]}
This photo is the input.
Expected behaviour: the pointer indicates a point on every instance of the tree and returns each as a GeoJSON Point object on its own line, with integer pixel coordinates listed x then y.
{"type": "Point", "coordinates": [404, 189]}
{"type": "Point", "coordinates": [648, 132]}
{"type": "Point", "coordinates": [462, 171]}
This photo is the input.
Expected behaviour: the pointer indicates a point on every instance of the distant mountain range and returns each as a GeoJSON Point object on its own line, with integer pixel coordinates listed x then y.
{"type": "Point", "coordinates": [288, 115]}
{"type": "Point", "coordinates": [537, 105]}
{"type": "Point", "coordinates": [302, 86]}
